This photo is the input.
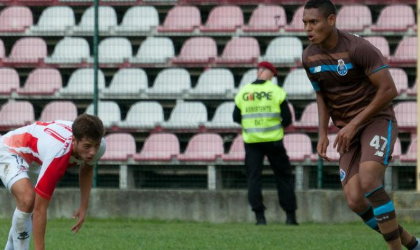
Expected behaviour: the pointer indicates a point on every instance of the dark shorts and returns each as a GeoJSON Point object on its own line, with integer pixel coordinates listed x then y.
{"type": "Point", "coordinates": [375, 142]}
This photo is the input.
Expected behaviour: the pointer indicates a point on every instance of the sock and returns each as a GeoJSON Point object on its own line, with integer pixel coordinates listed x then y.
{"type": "Point", "coordinates": [384, 212]}
{"type": "Point", "coordinates": [369, 219]}
{"type": "Point", "coordinates": [22, 228]}
{"type": "Point", "coordinates": [9, 244]}
{"type": "Point", "coordinates": [408, 240]}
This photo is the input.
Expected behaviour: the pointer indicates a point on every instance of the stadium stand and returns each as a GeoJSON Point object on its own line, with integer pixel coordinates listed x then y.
{"type": "Point", "coordinates": [309, 118]}
{"type": "Point", "coordinates": [405, 53]}
{"type": "Point", "coordinates": [119, 147]}
{"type": "Point", "coordinates": [197, 50]}
{"type": "Point", "coordinates": [181, 19]}
{"type": "Point", "coordinates": [223, 119]}
{"type": "Point", "coordinates": [154, 50]}
{"type": "Point", "coordinates": [143, 115]}
{"type": "Point", "coordinates": [214, 83]}
{"type": "Point", "coordinates": [15, 114]}
{"type": "Point", "coordinates": [9, 81]}
{"type": "Point", "coordinates": [59, 110]}
{"type": "Point", "coordinates": [81, 83]}
{"type": "Point", "coordinates": [400, 80]}
{"type": "Point", "coordinates": [114, 50]}
{"type": "Point", "coordinates": [266, 18]}
{"type": "Point", "coordinates": [236, 151]}
{"type": "Point", "coordinates": [298, 86]}
{"type": "Point", "coordinates": [171, 83]}
{"type": "Point", "coordinates": [250, 76]}
{"type": "Point", "coordinates": [224, 19]}
{"type": "Point", "coordinates": [296, 24]}
{"type": "Point", "coordinates": [405, 112]}
{"type": "Point", "coordinates": [411, 154]}
{"type": "Point", "coordinates": [240, 50]}
{"type": "Point", "coordinates": [395, 18]}
{"type": "Point", "coordinates": [68, 51]}
{"type": "Point", "coordinates": [381, 43]}
{"type": "Point", "coordinates": [284, 50]}
{"type": "Point", "coordinates": [55, 20]}
{"type": "Point", "coordinates": [298, 147]}
{"type": "Point", "coordinates": [138, 19]}
{"type": "Point", "coordinates": [107, 21]}
{"type": "Point", "coordinates": [127, 82]}
{"type": "Point", "coordinates": [203, 147]}
{"type": "Point", "coordinates": [187, 116]}
{"type": "Point", "coordinates": [108, 111]}
{"type": "Point", "coordinates": [346, 18]}
{"type": "Point", "coordinates": [27, 51]}
{"type": "Point", "coordinates": [42, 81]}
{"type": "Point", "coordinates": [15, 19]}
{"type": "Point", "coordinates": [159, 147]}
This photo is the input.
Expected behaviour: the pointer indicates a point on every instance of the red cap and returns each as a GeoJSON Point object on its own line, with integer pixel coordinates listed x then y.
{"type": "Point", "coordinates": [268, 66]}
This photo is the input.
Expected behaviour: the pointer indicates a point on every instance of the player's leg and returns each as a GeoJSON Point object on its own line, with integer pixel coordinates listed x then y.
{"type": "Point", "coordinates": [13, 173]}
{"type": "Point", "coordinates": [279, 162]}
{"type": "Point", "coordinates": [254, 157]}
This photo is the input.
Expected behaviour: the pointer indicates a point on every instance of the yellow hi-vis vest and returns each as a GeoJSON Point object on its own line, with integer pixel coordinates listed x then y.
{"type": "Point", "coordinates": [260, 111]}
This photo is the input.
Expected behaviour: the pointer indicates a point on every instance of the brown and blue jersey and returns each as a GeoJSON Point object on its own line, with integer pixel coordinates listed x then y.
{"type": "Point", "coordinates": [340, 75]}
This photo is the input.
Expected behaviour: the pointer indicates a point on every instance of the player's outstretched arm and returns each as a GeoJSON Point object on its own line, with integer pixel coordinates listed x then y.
{"type": "Point", "coordinates": [39, 221]}
{"type": "Point", "coordinates": [85, 180]}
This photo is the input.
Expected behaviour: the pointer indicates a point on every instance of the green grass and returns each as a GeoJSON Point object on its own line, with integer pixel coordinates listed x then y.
{"type": "Point", "coordinates": [110, 234]}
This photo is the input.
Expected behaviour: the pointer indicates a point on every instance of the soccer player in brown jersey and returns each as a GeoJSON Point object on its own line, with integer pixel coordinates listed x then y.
{"type": "Point", "coordinates": [354, 87]}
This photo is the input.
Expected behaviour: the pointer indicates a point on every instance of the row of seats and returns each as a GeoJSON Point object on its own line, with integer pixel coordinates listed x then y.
{"type": "Point", "coordinates": [196, 51]}
{"type": "Point", "coordinates": [149, 115]}
{"type": "Point", "coordinates": [264, 18]}
{"type": "Point", "coordinates": [209, 147]}
{"type": "Point", "coordinates": [175, 83]}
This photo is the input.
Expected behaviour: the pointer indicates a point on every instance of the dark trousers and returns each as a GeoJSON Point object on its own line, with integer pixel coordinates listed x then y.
{"type": "Point", "coordinates": [279, 161]}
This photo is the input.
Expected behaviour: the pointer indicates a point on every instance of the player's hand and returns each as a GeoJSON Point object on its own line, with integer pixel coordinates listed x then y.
{"type": "Point", "coordinates": [344, 137]}
{"type": "Point", "coordinates": [80, 216]}
{"type": "Point", "coordinates": [321, 148]}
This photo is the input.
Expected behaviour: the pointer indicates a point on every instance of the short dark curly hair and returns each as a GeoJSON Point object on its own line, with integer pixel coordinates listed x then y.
{"type": "Point", "coordinates": [88, 126]}
{"type": "Point", "coordinates": [325, 6]}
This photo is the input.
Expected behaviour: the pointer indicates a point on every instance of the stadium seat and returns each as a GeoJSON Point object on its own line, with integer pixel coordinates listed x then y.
{"type": "Point", "coordinates": [298, 147]}
{"type": "Point", "coordinates": [143, 115]}
{"type": "Point", "coordinates": [236, 151]}
{"type": "Point", "coordinates": [250, 76]}
{"type": "Point", "coordinates": [346, 18]}
{"type": "Point", "coordinates": [224, 19]}
{"type": "Point", "coordinates": [181, 19]}
{"type": "Point", "coordinates": [107, 20]}
{"type": "Point", "coordinates": [406, 52]}
{"type": "Point", "coordinates": [16, 114]}
{"type": "Point", "coordinates": [81, 83]}
{"type": "Point", "coordinates": [108, 111]}
{"type": "Point", "coordinates": [59, 110]}
{"type": "Point", "coordinates": [138, 19]}
{"type": "Point", "coordinates": [381, 43]}
{"type": "Point", "coordinates": [240, 50]}
{"type": "Point", "coordinates": [114, 50]}
{"type": "Point", "coordinates": [27, 50]}
{"type": "Point", "coordinates": [42, 81]}
{"type": "Point", "coordinates": [223, 118]}
{"type": "Point", "coordinates": [400, 80]}
{"type": "Point", "coordinates": [159, 147]}
{"type": "Point", "coordinates": [411, 154]}
{"type": "Point", "coordinates": [9, 81]}
{"type": "Point", "coordinates": [296, 25]}
{"type": "Point", "coordinates": [266, 18]}
{"type": "Point", "coordinates": [187, 115]}
{"type": "Point", "coordinates": [214, 83]}
{"type": "Point", "coordinates": [197, 50]}
{"type": "Point", "coordinates": [70, 50]}
{"type": "Point", "coordinates": [15, 19]}
{"type": "Point", "coordinates": [395, 18]}
{"type": "Point", "coordinates": [119, 147]}
{"type": "Point", "coordinates": [309, 118]}
{"type": "Point", "coordinates": [297, 85]}
{"type": "Point", "coordinates": [127, 82]}
{"type": "Point", "coordinates": [413, 90]}
{"type": "Point", "coordinates": [171, 83]}
{"type": "Point", "coordinates": [203, 147]}
{"type": "Point", "coordinates": [55, 20]}
{"type": "Point", "coordinates": [284, 50]}
{"type": "Point", "coordinates": [396, 153]}
{"type": "Point", "coordinates": [2, 51]}
{"type": "Point", "coordinates": [154, 50]}
{"type": "Point", "coordinates": [406, 115]}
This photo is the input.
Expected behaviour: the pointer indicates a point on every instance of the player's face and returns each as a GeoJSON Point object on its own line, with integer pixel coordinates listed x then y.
{"type": "Point", "coordinates": [317, 26]}
{"type": "Point", "coordinates": [85, 149]}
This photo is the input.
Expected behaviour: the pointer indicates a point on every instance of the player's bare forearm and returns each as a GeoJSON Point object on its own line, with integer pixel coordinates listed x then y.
{"type": "Point", "coordinates": [323, 115]}
{"type": "Point", "coordinates": [39, 221]}
{"type": "Point", "coordinates": [385, 94]}
{"type": "Point", "coordinates": [85, 182]}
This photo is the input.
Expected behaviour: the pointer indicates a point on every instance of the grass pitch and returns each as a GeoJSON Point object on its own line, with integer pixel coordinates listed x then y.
{"type": "Point", "coordinates": [110, 234]}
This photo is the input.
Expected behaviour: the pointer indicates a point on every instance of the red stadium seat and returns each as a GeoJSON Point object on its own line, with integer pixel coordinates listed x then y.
{"type": "Point", "coordinates": [59, 110]}
{"type": "Point", "coordinates": [346, 18]}
{"type": "Point", "coordinates": [266, 18]}
{"type": "Point", "coordinates": [181, 19]}
{"type": "Point", "coordinates": [16, 114]}
{"type": "Point", "coordinates": [411, 154]}
{"type": "Point", "coordinates": [296, 25]}
{"type": "Point", "coordinates": [42, 81]}
{"type": "Point", "coordinates": [15, 19]}
{"type": "Point", "coordinates": [406, 52]}
{"type": "Point", "coordinates": [298, 146]}
{"type": "Point", "coordinates": [27, 50]}
{"type": "Point", "coordinates": [224, 19]}
{"type": "Point", "coordinates": [240, 50]}
{"type": "Point", "coordinates": [406, 115]}
{"type": "Point", "coordinates": [159, 147]}
{"type": "Point", "coordinates": [119, 147]}
{"type": "Point", "coordinates": [203, 147]}
{"type": "Point", "coordinates": [395, 18]}
{"type": "Point", "coordinates": [197, 50]}
{"type": "Point", "coordinates": [309, 118]}
{"type": "Point", "coordinates": [400, 80]}
{"type": "Point", "coordinates": [236, 151]}
{"type": "Point", "coordinates": [9, 81]}
{"type": "Point", "coordinates": [381, 43]}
